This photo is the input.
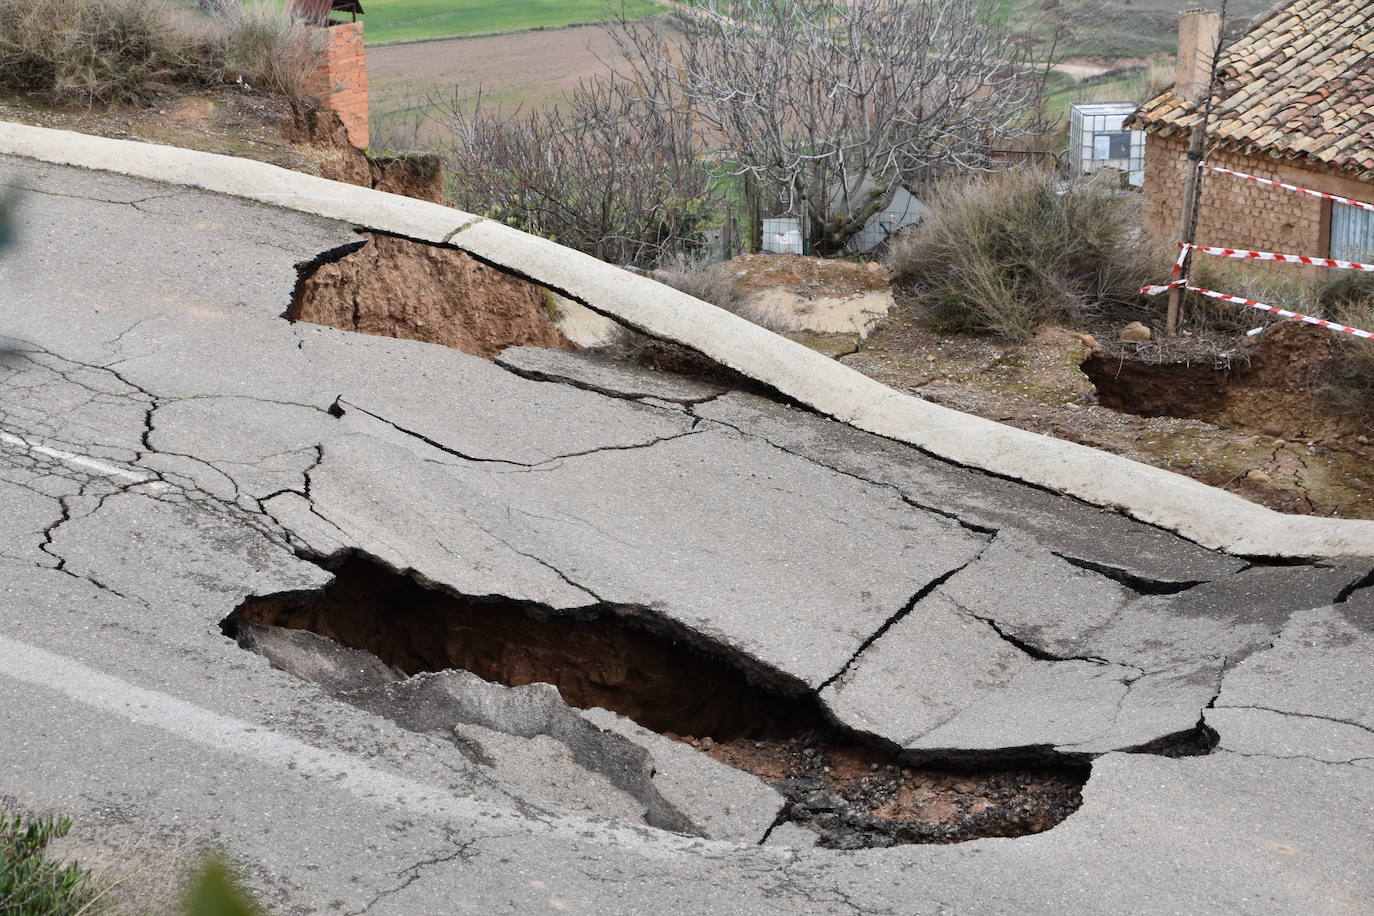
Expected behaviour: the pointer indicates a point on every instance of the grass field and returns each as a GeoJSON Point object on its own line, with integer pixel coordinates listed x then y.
{"type": "Point", "coordinates": [411, 20]}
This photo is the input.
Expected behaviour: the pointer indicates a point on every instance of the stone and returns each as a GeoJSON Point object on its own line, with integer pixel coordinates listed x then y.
{"type": "Point", "coordinates": [1135, 332]}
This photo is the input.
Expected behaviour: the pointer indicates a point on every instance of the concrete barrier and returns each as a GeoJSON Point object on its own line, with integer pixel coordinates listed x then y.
{"type": "Point", "coordinates": [1200, 513]}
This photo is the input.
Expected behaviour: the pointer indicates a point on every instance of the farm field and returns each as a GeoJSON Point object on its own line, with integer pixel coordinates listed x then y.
{"type": "Point", "coordinates": [529, 69]}
{"type": "Point", "coordinates": [415, 20]}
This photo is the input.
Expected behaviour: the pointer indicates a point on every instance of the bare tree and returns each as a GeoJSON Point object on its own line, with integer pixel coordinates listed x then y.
{"type": "Point", "coordinates": [614, 172]}
{"type": "Point", "coordinates": [830, 105]}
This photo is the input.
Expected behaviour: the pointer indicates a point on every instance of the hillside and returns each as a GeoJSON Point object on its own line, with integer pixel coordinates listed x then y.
{"type": "Point", "coordinates": [1121, 28]}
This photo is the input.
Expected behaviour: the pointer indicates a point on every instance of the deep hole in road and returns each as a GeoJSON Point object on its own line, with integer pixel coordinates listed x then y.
{"type": "Point", "coordinates": [850, 789]}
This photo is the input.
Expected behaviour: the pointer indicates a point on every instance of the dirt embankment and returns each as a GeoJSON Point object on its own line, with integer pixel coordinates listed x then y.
{"type": "Point", "coordinates": [248, 124]}
{"type": "Point", "coordinates": [320, 135]}
{"type": "Point", "coordinates": [1258, 426]}
{"type": "Point", "coordinates": [1273, 388]}
{"type": "Point", "coordinates": [394, 287]}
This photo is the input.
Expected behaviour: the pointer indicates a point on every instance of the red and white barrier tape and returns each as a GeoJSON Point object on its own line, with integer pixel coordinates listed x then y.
{"type": "Point", "coordinates": [1251, 303]}
{"type": "Point", "coordinates": [1182, 256]}
{"type": "Point", "coordinates": [1247, 255]}
{"type": "Point", "coordinates": [1292, 187]}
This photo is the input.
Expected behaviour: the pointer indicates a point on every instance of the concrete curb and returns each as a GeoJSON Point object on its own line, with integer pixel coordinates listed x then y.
{"type": "Point", "coordinates": [1200, 513]}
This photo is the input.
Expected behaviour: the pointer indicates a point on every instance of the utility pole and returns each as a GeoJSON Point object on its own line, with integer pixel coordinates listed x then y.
{"type": "Point", "coordinates": [1199, 51]}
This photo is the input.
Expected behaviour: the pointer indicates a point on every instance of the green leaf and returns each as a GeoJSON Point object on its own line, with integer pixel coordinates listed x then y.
{"type": "Point", "coordinates": [214, 894]}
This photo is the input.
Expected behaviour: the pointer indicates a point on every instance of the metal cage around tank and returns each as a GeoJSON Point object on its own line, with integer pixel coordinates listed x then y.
{"type": "Point", "coordinates": [1099, 139]}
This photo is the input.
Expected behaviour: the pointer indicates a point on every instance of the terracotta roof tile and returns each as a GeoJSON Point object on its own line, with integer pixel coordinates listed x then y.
{"type": "Point", "coordinates": [1299, 84]}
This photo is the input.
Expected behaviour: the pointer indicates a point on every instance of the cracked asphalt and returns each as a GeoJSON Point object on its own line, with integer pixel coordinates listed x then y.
{"type": "Point", "coordinates": [170, 446]}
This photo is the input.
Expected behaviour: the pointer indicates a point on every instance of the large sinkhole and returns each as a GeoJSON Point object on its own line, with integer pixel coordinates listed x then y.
{"type": "Point", "coordinates": [851, 789]}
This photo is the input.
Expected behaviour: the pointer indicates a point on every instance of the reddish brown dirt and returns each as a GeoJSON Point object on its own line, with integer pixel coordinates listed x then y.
{"type": "Point", "coordinates": [852, 793]}
{"type": "Point", "coordinates": [595, 659]}
{"type": "Point", "coordinates": [1273, 388]}
{"type": "Point", "coordinates": [320, 134]}
{"type": "Point", "coordinates": [394, 287]}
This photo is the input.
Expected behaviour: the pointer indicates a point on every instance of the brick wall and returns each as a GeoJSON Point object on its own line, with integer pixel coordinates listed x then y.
{"type": "Point", "coordinates": [1243, 214]}
{"type": "Point", "coordinates": [340, 83]}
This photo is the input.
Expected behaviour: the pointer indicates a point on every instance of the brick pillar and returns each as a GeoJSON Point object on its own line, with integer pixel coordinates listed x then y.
{"type": "Point", "coordinates": [340, 82]}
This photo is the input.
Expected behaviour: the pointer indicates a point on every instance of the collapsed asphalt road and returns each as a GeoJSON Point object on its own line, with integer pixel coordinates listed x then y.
{"type": "Point", "coordinates": [885, 648]}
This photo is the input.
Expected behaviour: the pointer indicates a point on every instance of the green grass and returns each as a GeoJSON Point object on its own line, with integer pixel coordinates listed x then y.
{"type": "Point", "coordinates": [411, 20]}
{"type": "Point", "coordinates": [32, 884]}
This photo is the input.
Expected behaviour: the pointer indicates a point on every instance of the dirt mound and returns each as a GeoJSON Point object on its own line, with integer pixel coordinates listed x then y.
{"type": "Point", "coordinates": [394, 287]}
{"type": "Point", "coordinates": [792, 294]}
{"type": "Point", "coordinates": [811, 277]}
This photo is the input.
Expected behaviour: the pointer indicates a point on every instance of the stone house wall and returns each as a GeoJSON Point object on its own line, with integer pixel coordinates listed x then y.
{"type": "Point", "coordinates": [1244, 214]}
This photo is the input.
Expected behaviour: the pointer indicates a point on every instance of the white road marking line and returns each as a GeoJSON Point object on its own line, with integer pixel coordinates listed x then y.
{"type": "Point", "coordinates": [30, 664]}
{"type": "Point", "coordinates": [94, 464]}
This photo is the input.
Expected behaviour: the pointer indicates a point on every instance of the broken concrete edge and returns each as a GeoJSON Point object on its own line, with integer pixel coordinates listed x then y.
{"type": "Point", "coordinates": [1197, 512]}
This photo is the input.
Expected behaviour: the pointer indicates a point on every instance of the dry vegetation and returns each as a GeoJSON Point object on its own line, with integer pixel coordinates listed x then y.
{"type": "Point", "coordinates": [1009, 252]}
{"type": "Point", "coordinates": [121, 51]}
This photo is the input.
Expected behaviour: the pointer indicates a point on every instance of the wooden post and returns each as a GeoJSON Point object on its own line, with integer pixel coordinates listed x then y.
{"type": "Point", "coordinates": [1187, 229]}
{"type": "Point", "coordinates": [1199, 44]}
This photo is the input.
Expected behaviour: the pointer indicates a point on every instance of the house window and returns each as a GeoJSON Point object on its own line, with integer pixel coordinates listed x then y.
{"type": "Point", "coordinates": [1352, 233]}
{"type": "Point", "coordinates": [1114, 144]}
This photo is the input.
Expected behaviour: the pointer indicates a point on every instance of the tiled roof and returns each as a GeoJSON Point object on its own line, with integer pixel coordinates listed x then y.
{"type": "Point", "coordinates": [1299, 85]}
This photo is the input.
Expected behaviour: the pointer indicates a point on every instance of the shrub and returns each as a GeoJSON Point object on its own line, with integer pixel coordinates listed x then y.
{"type": "Point", "coordinates": [269, 48]}
{"type": "Point", "coordinates": [1008, 252]}
{"type": "Point", "coordinates": [609, 171]}
{"type": "Point", "coordinates": [697, 277]}
{"type": "Point", "coordinates": [30, 883]}
{"type": "Point", "coordinates": [116, 51]}
{"type": "Point", "coordinates": [95, 50]}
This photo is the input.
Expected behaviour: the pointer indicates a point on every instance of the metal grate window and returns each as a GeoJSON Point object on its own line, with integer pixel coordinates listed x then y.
{"type": "Point", "coordinates": [1352, 233]}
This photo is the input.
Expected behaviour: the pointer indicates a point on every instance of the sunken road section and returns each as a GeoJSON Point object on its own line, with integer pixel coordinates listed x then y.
{"type": "Point", "coordinates": [851, 789]}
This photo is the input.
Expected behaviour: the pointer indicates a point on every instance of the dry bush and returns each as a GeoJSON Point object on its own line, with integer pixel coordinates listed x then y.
{"type": "Point", "coordinates": [1008, 252]}
{"type": "Point", "coordinates": [611, 172]}
{"type": "Point", "coordinates": [1277, 286]}
{"type": "Point", "coordinates": [118, 51]}
{"type": "Point", "coordinates": [1347, 382]}
{"type": "Point", "coordinates": [269, 48]}
{"type": "Point", "coordinates": [699, 278]}
{"type": "Point", "coordinates": [97, 51]}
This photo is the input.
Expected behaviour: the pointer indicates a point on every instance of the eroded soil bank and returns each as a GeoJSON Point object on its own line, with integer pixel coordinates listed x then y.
{"type": "Point", "coordinates": [395, 287]}
{"type": "Point", "coordinates": [853, 791]}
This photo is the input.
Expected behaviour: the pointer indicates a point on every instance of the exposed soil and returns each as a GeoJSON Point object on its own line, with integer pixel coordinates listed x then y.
{"type": "Point", "coordinates": [228, 120]}
{"type": "Point", "coordinates": [858, 796]}
{"type": "Point", "coordinates": [756, 273]}
{"type": "Point", "coordinates": [321, 135]}
{"type": "Point", "coordinates": [248, 124]}
{"type": "Point", "coordinates": [1268, 438]}
{"type": "Point", "coordinates": [395, 287]}
{"type": "Point", "coordinates": [852, 791]}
